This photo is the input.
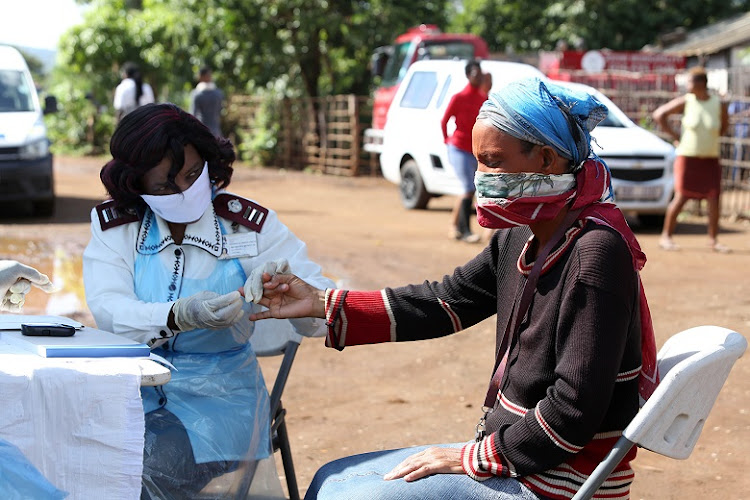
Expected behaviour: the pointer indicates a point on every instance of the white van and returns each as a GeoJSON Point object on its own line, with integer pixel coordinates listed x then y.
{"type": "Point", "coordinates": [25, 159]}
{"type": "Point", "coordinates": [415, 157]}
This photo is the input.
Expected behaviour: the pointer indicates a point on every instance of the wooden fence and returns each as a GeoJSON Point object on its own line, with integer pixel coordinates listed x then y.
{"type": "Point", "coordinates": [323, 134]}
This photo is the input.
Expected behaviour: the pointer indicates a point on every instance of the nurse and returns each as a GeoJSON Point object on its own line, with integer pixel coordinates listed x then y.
{"type": "Point", "coordinates": [167, 257]}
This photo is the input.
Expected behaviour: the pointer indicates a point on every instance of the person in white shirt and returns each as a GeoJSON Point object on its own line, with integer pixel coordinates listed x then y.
{"type": "Point", "coordinates": [132, 91]}
{"type": "Point", "coordinates": [167, 259]}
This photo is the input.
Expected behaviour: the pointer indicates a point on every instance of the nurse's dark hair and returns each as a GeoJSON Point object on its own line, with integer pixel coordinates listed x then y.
{"type": "Point", "coordinates": [150, 133]}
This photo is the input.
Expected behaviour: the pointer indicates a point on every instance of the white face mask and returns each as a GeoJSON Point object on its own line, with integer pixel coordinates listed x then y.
{"type": "Point", "coordinates": [187, 206]}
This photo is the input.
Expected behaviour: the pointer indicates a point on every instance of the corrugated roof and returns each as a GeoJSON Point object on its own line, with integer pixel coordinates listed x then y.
{"type": "Point", "coordinates": [715, 37]}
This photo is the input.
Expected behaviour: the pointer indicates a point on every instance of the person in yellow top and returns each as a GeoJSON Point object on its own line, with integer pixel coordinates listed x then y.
{"type": "Point", "coordinates": [696, 169]}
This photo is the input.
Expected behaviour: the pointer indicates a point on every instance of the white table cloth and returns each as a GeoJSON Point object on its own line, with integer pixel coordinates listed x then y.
{"type": "Point", "coordinates": [78, 420]}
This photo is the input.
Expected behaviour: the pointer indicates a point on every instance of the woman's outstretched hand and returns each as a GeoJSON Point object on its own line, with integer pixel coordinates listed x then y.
{"type": "Point", "coordinates": [287, 296]}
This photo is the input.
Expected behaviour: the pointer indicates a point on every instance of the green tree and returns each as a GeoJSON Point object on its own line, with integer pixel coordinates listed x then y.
{"type": "Point", "coordinates": [316, 47]}
{"type": "Point", "coordinates": [621, 25]}
{"type": "Point", "coordinates": [507, 25]}
{"type": "Point", "coordinates": [36, 66]}
{"type": "Point", "coordinates": [632, 24]}
{"type": "Point", "coordinates": [271, 47]}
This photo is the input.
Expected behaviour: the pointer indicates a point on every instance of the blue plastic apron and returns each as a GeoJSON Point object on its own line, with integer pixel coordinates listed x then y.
{"type": "Point", "coordinates": [20, 479]}
{"type": "Point", "coordinates": [217, 391]}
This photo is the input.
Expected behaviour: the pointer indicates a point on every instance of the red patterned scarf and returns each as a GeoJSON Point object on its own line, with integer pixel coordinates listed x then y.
{"type": "Point", "coordinates": [592, 192]}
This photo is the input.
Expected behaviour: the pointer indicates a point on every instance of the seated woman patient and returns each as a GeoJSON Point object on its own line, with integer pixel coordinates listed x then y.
{"type": "Point", "coordinates": [574, 347]}
{"type": "Point", "coordinates": [167, 258]}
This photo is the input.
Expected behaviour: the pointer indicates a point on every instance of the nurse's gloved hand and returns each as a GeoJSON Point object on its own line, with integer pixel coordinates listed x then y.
{"type": "Point", "coordinates": [254, 283]}
{"type": "Point", "coordinates": [15, 282]}
{"type": "Point", "coordinates": [207, 310]}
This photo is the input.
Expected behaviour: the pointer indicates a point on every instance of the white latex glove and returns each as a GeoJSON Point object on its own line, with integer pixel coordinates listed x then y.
{"type": "Point", "coordinates": [15, 282]}
{"type": "Point", "coordinates": [254, 283]}
{"type": "Point", "coordinates": [207, 310]}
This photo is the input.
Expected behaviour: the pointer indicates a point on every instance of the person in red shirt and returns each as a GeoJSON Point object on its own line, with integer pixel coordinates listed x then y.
{"type": "Point", "coordinates": [464, 107]}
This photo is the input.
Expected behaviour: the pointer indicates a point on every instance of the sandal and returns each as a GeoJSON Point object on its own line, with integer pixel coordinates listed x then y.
{"type": "Point", "coordinates": [471, 238]}
{"type": "Point", "coordinates": [719, 248]}
{"type": "Point", "coordinates": [668, 245]}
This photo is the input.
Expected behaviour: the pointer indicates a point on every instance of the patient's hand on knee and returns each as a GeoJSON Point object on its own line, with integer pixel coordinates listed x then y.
{"type": "Point", "coordinates": [428, 462]}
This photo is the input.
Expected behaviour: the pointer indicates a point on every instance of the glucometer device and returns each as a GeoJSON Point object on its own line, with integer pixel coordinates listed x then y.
{"type": "Point", "coordinates": [47, 330]}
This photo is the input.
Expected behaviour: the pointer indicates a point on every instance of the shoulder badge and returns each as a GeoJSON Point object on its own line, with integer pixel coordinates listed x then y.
{"type": "Point", "coordinates": [241, 211]}
{"type": "Point", "coordinates": [110, 217]}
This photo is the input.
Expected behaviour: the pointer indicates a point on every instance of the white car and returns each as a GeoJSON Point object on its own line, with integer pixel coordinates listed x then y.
{"type": "Point", "coordinates": [640, 162]}
{"type": "Point", "coordinates": [25, 158]}
{"type": "Point", "coordinates": [413, 153]}
{"type": "Point", "coordinates": [415, 157]}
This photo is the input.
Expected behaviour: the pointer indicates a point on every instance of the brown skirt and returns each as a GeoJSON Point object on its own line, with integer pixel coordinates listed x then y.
{"type": "Point", "coordinates": [697, 177]}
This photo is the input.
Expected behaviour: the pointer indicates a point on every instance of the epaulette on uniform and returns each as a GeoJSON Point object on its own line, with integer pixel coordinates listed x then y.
{"type": "Point", "coordinates": [110, 217]}
{"type": "Point", "coordinates": [242, 211]}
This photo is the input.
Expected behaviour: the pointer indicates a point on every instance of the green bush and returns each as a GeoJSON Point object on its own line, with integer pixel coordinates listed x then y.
{"type": "Point", "coordinates": [254, 129]}
{"type": "Point", "coordinates": [79, 126]}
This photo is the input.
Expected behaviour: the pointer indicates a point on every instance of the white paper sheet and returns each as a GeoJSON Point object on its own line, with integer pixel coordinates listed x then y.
{"type": "Point", "coordinates": [80, 422]}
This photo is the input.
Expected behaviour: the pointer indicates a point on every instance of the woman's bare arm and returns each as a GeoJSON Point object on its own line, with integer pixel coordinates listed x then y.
{"type": "Point", "coordinates": [661, 115]}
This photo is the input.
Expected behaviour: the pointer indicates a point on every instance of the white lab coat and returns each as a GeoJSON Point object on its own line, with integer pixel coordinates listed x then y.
{"type": "Point", "coordinates": [108, 271]}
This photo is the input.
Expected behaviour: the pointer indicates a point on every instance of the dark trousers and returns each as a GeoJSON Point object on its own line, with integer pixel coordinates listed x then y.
{"type": "Point", "coordinates": [169, 468]}
{"type": "Point", "coordinates": [464, 216]}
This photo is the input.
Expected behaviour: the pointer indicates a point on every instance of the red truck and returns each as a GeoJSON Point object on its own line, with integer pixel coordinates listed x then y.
{"type": "Point", "coordinates": [391, 62]}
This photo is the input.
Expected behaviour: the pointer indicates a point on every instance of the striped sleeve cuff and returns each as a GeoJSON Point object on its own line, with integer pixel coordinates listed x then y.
{"type": "Point", "coordinates": [483, 460]}
{"type": "Point", "coordinates": [357, 318]}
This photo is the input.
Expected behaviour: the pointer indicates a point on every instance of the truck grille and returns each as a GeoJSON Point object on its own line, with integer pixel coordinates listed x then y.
{"type": "Point", "coordinates": [637, 175]}
{"type": "Point", "coordinates": [9, 187]}
{"type": "Point", "coordinates": [9, 153]}
{"type": "Point", "coordinates": [29, 185]}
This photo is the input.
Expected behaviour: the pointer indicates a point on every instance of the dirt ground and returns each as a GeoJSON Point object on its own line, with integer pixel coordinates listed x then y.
{"type": "Point", "coordinates": [386, 396]}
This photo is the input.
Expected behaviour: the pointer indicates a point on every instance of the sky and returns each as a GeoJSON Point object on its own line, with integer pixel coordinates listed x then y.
{"type": "Point", "coordinates": [37, 23]}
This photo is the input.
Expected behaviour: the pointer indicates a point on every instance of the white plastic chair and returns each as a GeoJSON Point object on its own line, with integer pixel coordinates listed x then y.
{"type": "Point", "coordinates": [693, 364]}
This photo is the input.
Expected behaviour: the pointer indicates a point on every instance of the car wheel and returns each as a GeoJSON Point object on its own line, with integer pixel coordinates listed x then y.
{"type": "Point", "coordinates": [413, 193]}
{"type": "Point", "coordinates": [651, 220]}
{"type": "Point", "coordinates": [44, 208]}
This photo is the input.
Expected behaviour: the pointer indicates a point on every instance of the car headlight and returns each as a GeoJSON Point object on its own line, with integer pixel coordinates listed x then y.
{"type": "Point", "coordinates": [35, 150]}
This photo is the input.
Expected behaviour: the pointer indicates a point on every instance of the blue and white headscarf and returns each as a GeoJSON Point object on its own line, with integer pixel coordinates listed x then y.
{"type": "Point", "coordinates": [546, 114]}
